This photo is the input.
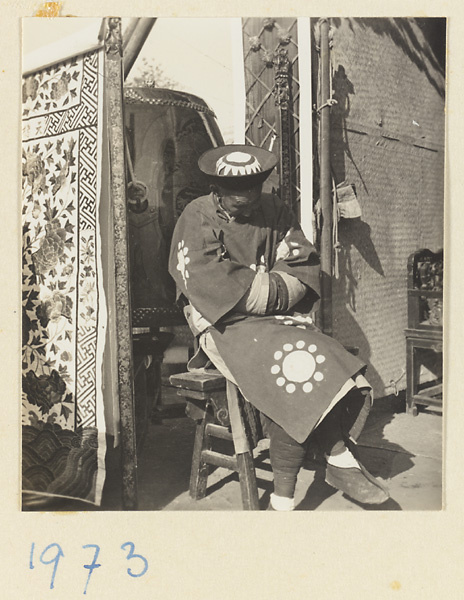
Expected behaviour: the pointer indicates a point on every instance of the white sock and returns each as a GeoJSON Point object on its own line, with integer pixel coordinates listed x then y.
{"type": "Point", "coordinates": [282, 503]}
{"type": "Point", "coordinates": [345, 460]}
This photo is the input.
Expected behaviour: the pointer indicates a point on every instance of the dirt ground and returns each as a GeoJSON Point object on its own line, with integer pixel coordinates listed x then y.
{"type": "Point", "coordinates": [404, 451]}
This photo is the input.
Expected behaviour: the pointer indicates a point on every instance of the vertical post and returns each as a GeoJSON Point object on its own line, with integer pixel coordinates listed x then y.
{"type": "Point", "coordinates": [325, 183]}
{"type": "Point", "coordinates": [306, 135]}
{"type": "Point", "coordinates": [282, 91]}
{"type": "Point", "coordinates": [114, 99]}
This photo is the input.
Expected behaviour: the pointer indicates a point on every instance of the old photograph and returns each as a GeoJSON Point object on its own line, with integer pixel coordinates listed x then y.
{"type": "Point", "coordinates": [232, 277]}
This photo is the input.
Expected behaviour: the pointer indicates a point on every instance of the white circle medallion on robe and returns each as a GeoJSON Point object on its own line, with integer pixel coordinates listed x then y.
{"type": "Point", "coordinates": [296, 366]}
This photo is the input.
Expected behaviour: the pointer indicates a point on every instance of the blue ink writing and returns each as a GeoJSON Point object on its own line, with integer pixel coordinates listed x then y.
{"type": "Point", "coordinates": [93, 565]}
{"type": "Point", "coordinates": [31, 564]}
{"type": "Point", "coordinates": [131, 555]}
{"type": "Point", "coordinates": [54, 559]}
{"type": "Point", "coordinates": [52, 554]}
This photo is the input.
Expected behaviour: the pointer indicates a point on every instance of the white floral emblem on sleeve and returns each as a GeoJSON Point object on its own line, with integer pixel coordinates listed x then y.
{"type": "Point", "coordinates": [182, 261]}
{"type": "Point", "coordinates": [283, 249]}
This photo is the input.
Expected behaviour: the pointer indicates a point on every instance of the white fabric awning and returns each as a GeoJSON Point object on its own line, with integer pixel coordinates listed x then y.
{"type": "Point", "coordinates": [48, 41]}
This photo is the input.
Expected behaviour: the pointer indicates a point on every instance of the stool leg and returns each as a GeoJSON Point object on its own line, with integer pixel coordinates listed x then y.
{"type": "Point", "coordinates": [247, 478]}
{"type": "Point", "coordinates": [243, 454]}
{"type": "Point", "coordinates": [413, 371]}
{"type": "Point", "coordinates": [409, 375]}
{"type": "Point", "coordinates": [200, 470]}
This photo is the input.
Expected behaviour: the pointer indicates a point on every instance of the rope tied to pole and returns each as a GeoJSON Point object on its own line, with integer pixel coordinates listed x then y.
{"type": "Point", "coordinates": [330, 102]}
{"type": "Point", "coordinates": [393, 384]}
{"type": "Point", "coordinates": [317, 34]}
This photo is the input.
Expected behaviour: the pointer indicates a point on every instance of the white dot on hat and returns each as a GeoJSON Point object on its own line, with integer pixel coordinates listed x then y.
{"type": "Point", "coordinates": [239, 157]}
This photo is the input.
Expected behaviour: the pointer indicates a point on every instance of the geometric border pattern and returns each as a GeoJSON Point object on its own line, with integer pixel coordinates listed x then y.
{"type": "Point", "coordinates": [61, 108]}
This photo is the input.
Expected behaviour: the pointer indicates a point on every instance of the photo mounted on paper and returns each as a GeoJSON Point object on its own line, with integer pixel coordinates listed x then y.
{"type": "Point", "coordinates": [232, 263]}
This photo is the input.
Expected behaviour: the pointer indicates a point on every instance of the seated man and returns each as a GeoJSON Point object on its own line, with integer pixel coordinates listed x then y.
{"type": "Point", "coordinates": [250, 278]}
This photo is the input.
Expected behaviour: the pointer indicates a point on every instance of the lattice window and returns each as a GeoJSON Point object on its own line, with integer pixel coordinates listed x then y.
{"type": "Point", "coordinates": [272, 98]}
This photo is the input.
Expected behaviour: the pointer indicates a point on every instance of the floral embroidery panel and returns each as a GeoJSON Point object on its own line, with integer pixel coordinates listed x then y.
{"type": "Point", "coordinates": [62, 298]}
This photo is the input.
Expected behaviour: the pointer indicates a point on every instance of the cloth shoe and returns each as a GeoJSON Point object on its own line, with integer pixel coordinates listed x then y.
{"type": "Point", "coordinates": [281, 503]}
{"type": "Point", "coordinates": [357, 483]}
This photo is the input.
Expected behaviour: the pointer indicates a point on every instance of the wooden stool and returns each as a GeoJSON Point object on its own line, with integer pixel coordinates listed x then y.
{"type": "Point", "coordinates": [210, 402]}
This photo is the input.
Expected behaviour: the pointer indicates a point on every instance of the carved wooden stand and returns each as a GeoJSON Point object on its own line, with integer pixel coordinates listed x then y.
{"type": "Point", "coordinates": [425, 329]}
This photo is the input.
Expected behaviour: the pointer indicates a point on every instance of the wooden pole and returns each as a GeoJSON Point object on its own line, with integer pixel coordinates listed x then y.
{"type": "Point", "coordinates": [282, 92]}
{"type": "Point", "coordinates": [134, 43]}
{"type": "Point", "coordinates": [325, 184]}
{"type": "Point", "coordinates": [128, 31]}
{"type": "Point", "coordinates": [114, 99]}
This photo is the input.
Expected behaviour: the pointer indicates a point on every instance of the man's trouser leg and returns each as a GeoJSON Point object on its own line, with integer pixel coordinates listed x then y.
{"type": "Point", "coordinates": [286, 456]}
{"type": "Point", "coordinates": [341, 422]}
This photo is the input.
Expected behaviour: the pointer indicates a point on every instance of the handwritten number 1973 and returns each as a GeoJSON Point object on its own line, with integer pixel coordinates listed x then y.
{"type": "Point", "coordinates": [52, 554]}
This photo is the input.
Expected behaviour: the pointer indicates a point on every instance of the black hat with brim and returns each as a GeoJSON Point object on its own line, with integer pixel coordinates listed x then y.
{"type": "Point", "coordinates": [209, 159]}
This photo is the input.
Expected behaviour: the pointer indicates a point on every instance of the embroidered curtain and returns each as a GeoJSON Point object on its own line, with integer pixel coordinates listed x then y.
{"type": "Point", "coordinates": [64, 311]}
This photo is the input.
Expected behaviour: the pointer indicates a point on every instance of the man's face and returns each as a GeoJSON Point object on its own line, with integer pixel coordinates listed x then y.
{"type": "Point", "coordinates": [240, 203]}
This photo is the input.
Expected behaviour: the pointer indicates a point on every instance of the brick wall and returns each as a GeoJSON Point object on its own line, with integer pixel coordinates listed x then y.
{"type": "Point", "coordinates": [388, 139]}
